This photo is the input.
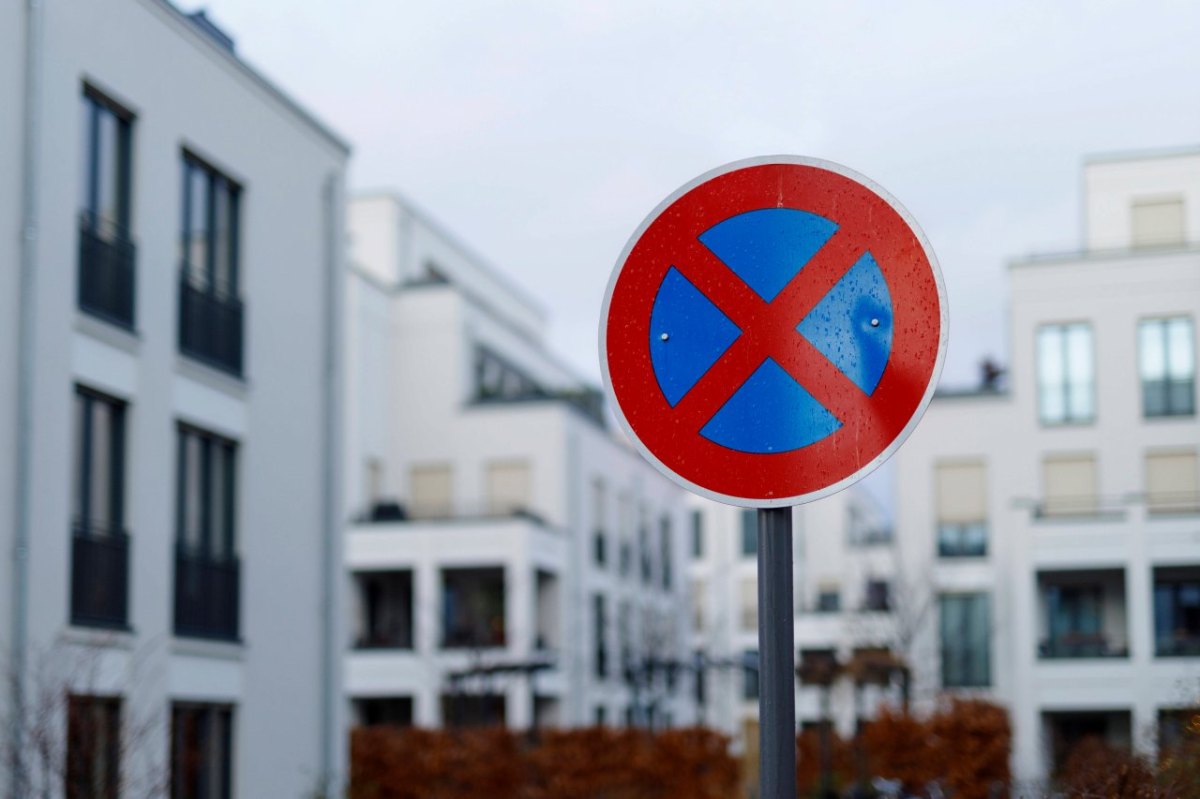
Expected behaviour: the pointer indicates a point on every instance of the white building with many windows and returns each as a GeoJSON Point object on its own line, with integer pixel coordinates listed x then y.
{"type": "Point", "coordinates": [1057, 519]}
{"type": "Point", "coordinates": [513, 559]}
{"type": "Point", "coordinates": [169, 618]}
{"type": "Point", "coordinates": [846, 594]}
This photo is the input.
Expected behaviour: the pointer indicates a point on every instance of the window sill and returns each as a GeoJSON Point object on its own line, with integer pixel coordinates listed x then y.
{"type": "Point", "coordinates": [98, 637]}
{"type": "Point", "coordinates": [199, 647]}
{"type": "Point", "coordinates": [214, 377]}
{"type": "Point", "coordinates": [108, 331]}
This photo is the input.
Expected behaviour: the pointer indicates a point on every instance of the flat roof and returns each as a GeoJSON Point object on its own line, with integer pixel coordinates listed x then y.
{"type": "Point", "coordinates": [1182, 151]}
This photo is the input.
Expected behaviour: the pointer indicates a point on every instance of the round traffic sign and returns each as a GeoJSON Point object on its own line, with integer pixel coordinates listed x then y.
{"type": "Point", "coordinates": [773, 331]}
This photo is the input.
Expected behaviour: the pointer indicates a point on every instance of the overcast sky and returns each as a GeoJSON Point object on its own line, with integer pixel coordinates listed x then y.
{"type": "Point", "coordinates": [542, 133]}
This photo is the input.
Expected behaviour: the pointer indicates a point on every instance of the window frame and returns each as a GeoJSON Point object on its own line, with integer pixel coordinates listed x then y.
{"type": "Point", "coordinates": [1063, 381]}
{"type": "Point", "coordinates": [959, 642]}
{"type": "Point", "coordinates": [97, 104]}
{"type": "Point", "coordinates": [191, 162]}
{"type": "Point", "coordinates": [1168, 381]}
{"type": "Point", "coordinates": [209, 441]}
{"type": "Point", "coordinates": [209, 717]}
{"type": "Point", "coordinates": [83, 521]}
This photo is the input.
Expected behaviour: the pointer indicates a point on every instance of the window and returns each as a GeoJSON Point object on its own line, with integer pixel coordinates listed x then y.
{"type": "Point", "coordinates": [878, 597]}
{"type": "Point", "coordinates": [748, 603]}
{"type": "Point", "coordinates": [665, 552]}
{"type": "Point", "coordinates": [473, 608]}
{"type": "Point", "coordinates": [389, 711]}
{"type": "Point", "coordinates": [644, 552]}
{"type": "Point", "coordinates": [106, 251]}
{"type": "Point", "coordinates": [386, 610]}
{"type": "Point", "coordinates": [508, 487]}
{"type": "Point", "coordinates": [1069, 486]}
{"type": "Point", "coordinates": [961, 510]}
{"type": "Point", "coordinates": [206, 564]}
{"type": "Point", "coordinates": [93, 748]}
{"type": "Point", "coordinates": [1177, 611]}
{"type": "Point", "coordinates": [201, 751]}
{"type": "Point", "coordinates": [1158, 222]}
{"type": "Point", "coordinates": [1066, 382]}
{"type": "Point", "coordinates": [697, 534]}
{"type": "Point", "coordinates": [431, 491]}
{"type": "Point", "coordinates": [750, 674]}
{"type": "Point", "coordinates": [99, 543]}
{"type": "Point", "coordinates": [1167, 357]}
{"type": "Point", "coordinates": [210, 319]}
{"type": "Point", "coordinates": [1172, 484]}
{"type": "Point", "coordinates": [600, 631]}
{"type": "Point", "coordinates": [749, 519]}
{"type": "Point", "coordinates": [600, 517]}
{"type": "Point", "coordinates": [699, 598]}
{"type": "Point", "coordinates": [966, 640]}
{"type": "Point", "coordinates": [497, 379]}
{"type": "Point", "coordinates": [829, 600]}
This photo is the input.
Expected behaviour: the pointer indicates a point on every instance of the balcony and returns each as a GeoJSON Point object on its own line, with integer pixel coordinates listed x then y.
{"type": "Point", "coordinates": [1082, 614]}
{"type": "Point", "coordinates": [473, 604]}
{"type": "Point", "coordinates": [1177, 611]}
{"type": "Point", "coordinates": [207, 593]}
{"type": "Point", "coordinates": [385, 610]}
{"type": "Point", "coordinates": [210, 323]}
{"type": "Point", "coordinates": [99, 577]}
{"type": "Point", "coordinates": [107, 271]}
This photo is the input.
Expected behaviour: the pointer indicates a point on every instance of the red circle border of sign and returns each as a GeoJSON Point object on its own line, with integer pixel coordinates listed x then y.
{"type": "Point", "coordinates": [876, 222]}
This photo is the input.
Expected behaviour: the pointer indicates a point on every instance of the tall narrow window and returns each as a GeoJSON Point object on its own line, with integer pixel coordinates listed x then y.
{"type": "Point", "coordinates": [210, 319]}
{"type": "Point", "coordinates": [1066, 381]}
{"type": "Point", "coordinates": [1172, 482]}
{"type": "Point", "coordinates": [106, 250]}
{"type": "Point", "coordinates": [1069, 486]}
{"type": "Point", "coordinates": [201, 751]}
{"type": "Point", "coordinates": [93, 747]}
{"type": "Point", "coordinates": [645, 555]}
{"type": "Point", "coordinates": [961, 509]}
{"type": "Point", "coordinates": [966, 640]}
{"type": "Point", "coordinates": [749, 524]}
{"type": "Point", "coordinates": [750, 674]}
{"type": "Point", "coordinates": [697, 534]}
{"type": "Point", "coordinates": [665, 552]}
{"type": "Point", "coordinates": [600, 631]}
{"type": "Point", "coordinates": [207, 585]}
{"type": "Point", "coordinates": [1167, 355]}
{"type": "Point", "coordinates": [100, 544]}
{"type": "Point", "coordinates": [599, 522]}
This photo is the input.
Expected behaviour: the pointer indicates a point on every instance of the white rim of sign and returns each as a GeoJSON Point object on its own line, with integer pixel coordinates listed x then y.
{"type": "Point", "coordinates": [878, 460]}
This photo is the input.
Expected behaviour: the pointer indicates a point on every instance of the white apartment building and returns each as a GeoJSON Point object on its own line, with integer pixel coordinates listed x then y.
{"type": "Point", "coordinates": [845, 567]}
{"type": "Point", "coordinates": [513, 560]}
{"type": "Point", "coordinates": [172, 230]}
{"type": "Point", "coordinates": [1056, 520]}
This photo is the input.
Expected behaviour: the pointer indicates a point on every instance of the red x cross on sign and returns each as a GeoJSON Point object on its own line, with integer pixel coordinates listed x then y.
{"type": "Point", "coordinates": [773, 331]}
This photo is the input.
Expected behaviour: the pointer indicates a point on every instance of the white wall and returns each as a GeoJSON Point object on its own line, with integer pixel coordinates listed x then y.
{"type": "Point", "coordinates": [186, 92]}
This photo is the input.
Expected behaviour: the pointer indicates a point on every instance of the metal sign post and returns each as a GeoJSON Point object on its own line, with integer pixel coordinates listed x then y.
{"type": "Point", "coordinates": [776, 645]}
{"type": "Point", "coordinates": [771, 334]}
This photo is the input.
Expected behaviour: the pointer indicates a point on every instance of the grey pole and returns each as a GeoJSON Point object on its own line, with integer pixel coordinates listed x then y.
{"type": "Point", "coordinates": [776, 669]}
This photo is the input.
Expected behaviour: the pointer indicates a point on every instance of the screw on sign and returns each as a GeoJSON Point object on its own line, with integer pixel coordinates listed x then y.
{"type": "Point", "coordinates": [773, 331]}
{"type": "Point", "coordinates": [771, 334]}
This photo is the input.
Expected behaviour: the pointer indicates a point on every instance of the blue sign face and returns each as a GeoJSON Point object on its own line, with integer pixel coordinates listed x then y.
{"type": "Point", "coordinates": [851, 326]}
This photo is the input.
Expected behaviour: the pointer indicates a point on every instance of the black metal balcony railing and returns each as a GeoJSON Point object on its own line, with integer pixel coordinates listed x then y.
{"type": "Point", "coordinates": [207, 594]}
{"type": "Point", "coordinates": [1080, 645]}
{"type": "Point", "coordinates": [210, 323]}
{"type": "Point", "coordinates": [99, 577]}
{"type": "Point", "coordinates": [107, 272]}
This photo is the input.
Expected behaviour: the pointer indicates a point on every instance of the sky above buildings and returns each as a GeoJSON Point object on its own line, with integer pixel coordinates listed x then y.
{"type": "Point", "coordinates": [542, 133]}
